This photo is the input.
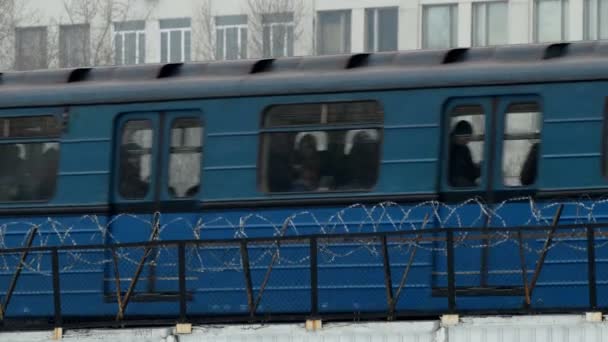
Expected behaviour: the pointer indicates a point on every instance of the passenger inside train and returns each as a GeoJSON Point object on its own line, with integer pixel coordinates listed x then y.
{"type": "Point", "coordinates": [463, 171]}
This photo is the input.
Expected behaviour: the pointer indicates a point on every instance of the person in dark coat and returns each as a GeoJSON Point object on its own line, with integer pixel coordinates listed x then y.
{"type": "Point", "coordinates": [529, 169]}
{"type": "Point", "coordinates": [131, 184]}
{"type": "Point", "coordinates": [463, 171]}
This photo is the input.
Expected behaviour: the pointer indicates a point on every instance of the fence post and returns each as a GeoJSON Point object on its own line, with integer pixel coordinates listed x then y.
{"type": "Point", "coordinates": [181, 247]}
{"type": "Point", "coordinates": [451, 275]}
{"type": "Point", "coordinates": [591, 267]}
{"type": "Point", "coordinates": [387, 278]}
{"type": "Point", "coordinates": [56, 287]}
{"type": "Point", "coordinates": [314, 286]}
{"type": "Point", "coordinates": [247, 274]}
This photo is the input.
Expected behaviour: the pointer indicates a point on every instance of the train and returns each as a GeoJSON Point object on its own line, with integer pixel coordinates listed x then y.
{"type": "Point", "coordinates": [301, 146]}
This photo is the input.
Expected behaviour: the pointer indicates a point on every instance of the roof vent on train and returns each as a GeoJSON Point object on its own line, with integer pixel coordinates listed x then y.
{"type": "Point", "coordinates": [79, 75]}
{"type": "Point", "coordinates": [170, 70]}
{"type": "Point", "coordinates": [357, 61]}
{"type": "Point", "coordinates": [263, 65]}
{"type": "Point", "coordinates": [556, 50]}
{"type": "Point", "coordinates": [455, 56]}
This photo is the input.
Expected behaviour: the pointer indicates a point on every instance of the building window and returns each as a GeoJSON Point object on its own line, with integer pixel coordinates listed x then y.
{"type": "Point", "coordinates": [490, 25]}
{"type": "Point", "coordinates": [29, 168]}
{"type": "Point", "coordinates": [467, 136]}
{"type": "Point", "coordinates": [74, 46]}
{"type": "Point", "coordinates": [30, 48]}
{"type": "Point", "coordinates": [175, 40]}
{"type": "Point", "coordinates": [596, 19]}
{"type": "Point", "coordinates": [321, 147]}
{"type": "Point", "coordinates": [130, 42]}
{"type": "Point", "coordinates": [381, 27]}
{"type": "Point", "coordinates": [278, 37]}
{"type": "Point", "coordinates": [333, 34]}
{"type": "Point", "coordinates": [439, 26]}
{"type": "Point", "coordinates": [550, 20]}
{"type": "Point", "coordinates": [135, 159]}
{"type": "Point", "coordinates": [521, 144]}
{"type": "Point", "coordinates": [185, 157]}
{"type": "Point", "coordinates": [231, 37]}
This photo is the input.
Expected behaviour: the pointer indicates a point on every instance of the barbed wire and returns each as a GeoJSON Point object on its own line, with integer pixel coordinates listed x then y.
{"type": "Point", "coordinates": [356, 218]}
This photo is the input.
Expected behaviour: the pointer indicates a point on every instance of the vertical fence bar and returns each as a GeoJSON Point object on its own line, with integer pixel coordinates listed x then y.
{"type": "Point", "coordinates": [56, 286]}
{"type": "Point", "coordinates": [387, 277]}
{"type": "Point", "coordinates": [451, 275]}
{"type": "Point", "coordinates": [181, 250]}
{"type": "Point", "coordinates": [591, 268]}
{"type": "Point", "coordinates": [247, 274]}
{"type": "Point", "coordinates": [314, 280]}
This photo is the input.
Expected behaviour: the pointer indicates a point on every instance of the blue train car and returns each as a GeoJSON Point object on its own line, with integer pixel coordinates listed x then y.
{"type": "Point", "coordinates": [303, 146]}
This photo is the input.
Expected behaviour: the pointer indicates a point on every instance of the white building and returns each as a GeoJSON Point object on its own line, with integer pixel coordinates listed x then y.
{"type": "Point", "coordinates": [69, 33]}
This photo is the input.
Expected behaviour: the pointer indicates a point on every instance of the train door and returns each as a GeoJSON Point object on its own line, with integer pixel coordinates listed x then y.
{"type": "Point", "coordinates": [489, 155]}
{"type": "Point", "coordinates": [156, 194]}
{"type": "Point", "coordinates": [466, 178]}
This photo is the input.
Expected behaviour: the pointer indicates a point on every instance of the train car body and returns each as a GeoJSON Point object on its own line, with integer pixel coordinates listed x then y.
{"type": "Point", "coordinates": [213, 145]}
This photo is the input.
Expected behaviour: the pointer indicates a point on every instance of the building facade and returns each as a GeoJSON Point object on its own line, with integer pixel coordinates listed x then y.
{"type": "Point", "coordinates": [38, 34]}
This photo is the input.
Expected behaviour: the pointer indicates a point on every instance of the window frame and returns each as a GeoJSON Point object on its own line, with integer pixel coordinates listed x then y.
{"type": "Point", "coordinates": [453, 6]}
{"type": "Point", "coordinates": [64, 58]}
{"type": "Point", "coordinates": [52, 139]}
{"type": "Point", "coordinates": [588, 10]}
{"type": "Point", "coordinates": [491, 186]}
{"type": "Point", "coordinates": [474, 22]}
{"type": "Point", "coordinates": [272, 21]}
{"type": "Point", "coordinates": [505, 109]}
{"type": "Point", "coordinates": [162, 121]}
{"type": "Point", "coordinates": [19, 57]}
{"type": "Point", "coordinates": [347, 20]}
{"type": "Point", "coordinates": [485, 103]}
{"type": "Point", "coordinates": [123, 32]}
{"type": "Point", "coordinates": [238, 22]}
{"type": "Point", "coordinates": [564, 21]}
{"type": "Point", "coordinates": [375, 13]}
{"type": "Point", "coordinates": [184, 30]}
{"type": "Point", "coordinates": [174, 116]}
{"type": "Point", "coordinates": [262, 168]}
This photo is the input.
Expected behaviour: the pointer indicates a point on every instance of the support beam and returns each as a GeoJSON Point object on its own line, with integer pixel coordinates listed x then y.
{"type": "Point", "coordinates": [57, 334]}
{"type": "Point", "coordinates": [183, 328]}
{"type": "Point", "coordinates": [314, 324]}
{"type": "Point", "coordinates": [450, 320]}
{"type": "Point", "coordinates": [594, 316]}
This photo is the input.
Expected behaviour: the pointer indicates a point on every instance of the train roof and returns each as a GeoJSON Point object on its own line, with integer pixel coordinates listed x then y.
{"type": "Point", "coordinates": [512, 64]}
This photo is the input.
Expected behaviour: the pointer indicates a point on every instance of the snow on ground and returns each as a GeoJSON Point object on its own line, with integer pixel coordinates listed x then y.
{"type": "Point", "coordinates": [564, 328]}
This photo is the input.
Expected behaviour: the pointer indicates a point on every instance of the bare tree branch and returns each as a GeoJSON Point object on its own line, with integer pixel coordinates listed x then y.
{"type": "Point", "coordinates": [203, 32]}
{"type": "Point", "coordinates": [100, 15]}
{"type": "Point", "coordinates": [260, 16]}
{"type": "Point", "coordinates": [12, 14]}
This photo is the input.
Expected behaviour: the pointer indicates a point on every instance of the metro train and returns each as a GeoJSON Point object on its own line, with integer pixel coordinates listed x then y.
{"type": "Point", "coordinates": [332, 144]}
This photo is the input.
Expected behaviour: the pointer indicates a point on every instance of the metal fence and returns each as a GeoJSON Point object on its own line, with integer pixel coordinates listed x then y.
{"type": "Point", "coordinates": [380, 275]}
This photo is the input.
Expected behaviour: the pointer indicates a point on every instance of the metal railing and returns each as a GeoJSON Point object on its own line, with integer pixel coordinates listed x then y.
{"type": "Point", "coordinates": [444, 258]}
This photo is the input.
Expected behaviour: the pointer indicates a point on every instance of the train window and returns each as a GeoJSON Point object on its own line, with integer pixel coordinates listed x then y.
{"type": "Point", "coordinates": [30, 127]}
{"type": "Point", "coordinates": [467, 136]}
{"type": "Point", "coordinates": [185, 157]}
{"type": "Point", "coordinates": [135, 159]}
{"type": "Point", "coordinates": [339, 151]}
{"type": "Point", "coordinates": [28, 171]}
{"type": "Point", "coordinates": [521, 144]}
